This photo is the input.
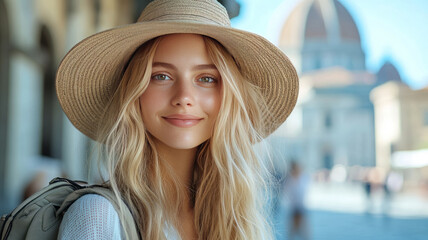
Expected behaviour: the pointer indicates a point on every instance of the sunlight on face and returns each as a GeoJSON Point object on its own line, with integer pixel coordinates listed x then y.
{"type": "Point", "coordinates": [182, 101]}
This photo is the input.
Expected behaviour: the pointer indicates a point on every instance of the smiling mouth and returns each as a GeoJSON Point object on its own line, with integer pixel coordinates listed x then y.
{"type": "Point", "coordinates": [182, 120]}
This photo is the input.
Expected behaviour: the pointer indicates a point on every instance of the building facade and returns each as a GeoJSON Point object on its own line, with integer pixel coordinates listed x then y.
{"type": "Point", "coordinates": [333, 122]}
{"type": "Point", "coordinates": [401, 120]}
{"type": "Point", "coordinates": [345, 114]}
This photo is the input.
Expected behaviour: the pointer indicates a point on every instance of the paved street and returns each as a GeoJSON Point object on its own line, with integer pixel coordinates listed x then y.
{"type": "Point", "coordinates": [325, 225]}
{"type": "Point", "coordinates": [340, 213]}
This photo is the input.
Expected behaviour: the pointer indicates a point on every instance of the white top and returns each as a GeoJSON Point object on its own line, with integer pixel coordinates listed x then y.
{"type": "Point", "coordinates": [93, 217]}
{"type": "Point", "coordinates": [90, 217]}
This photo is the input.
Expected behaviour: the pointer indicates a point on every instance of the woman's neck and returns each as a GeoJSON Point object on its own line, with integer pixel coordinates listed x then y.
{"type": "Point", "coordinates": [181, 161]}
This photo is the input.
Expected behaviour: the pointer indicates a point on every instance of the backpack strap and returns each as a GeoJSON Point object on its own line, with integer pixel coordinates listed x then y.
{"type": "Point", "coordinates": [129, 224]}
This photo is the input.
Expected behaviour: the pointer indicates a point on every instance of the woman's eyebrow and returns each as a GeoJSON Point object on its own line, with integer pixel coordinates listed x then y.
{"type": "Point", "coordinates": [204, 66]}
{"type": "Point", "coordinates": [164, 64]}
{"type": "Point", "coordinates": [196, 67]}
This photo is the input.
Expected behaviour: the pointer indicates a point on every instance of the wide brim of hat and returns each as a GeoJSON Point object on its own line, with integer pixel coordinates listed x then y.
{"type": "Point", "coordinates": [90, 72]}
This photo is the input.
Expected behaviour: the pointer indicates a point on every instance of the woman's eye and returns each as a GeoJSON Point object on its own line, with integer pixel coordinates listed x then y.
{"type": "Point", "coordinates": [161, 77]}
{"type": "Point", "coordinates": [207, 79]}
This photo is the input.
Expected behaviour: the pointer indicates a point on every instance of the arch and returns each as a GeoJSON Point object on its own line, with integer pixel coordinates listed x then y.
{"type": "Point", "coordinates": [51, 115]}
{"type": "Point", "coordinates": [4, 86]}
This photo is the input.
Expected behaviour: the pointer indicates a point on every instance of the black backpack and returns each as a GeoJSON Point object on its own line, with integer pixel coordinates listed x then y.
{"type": "Point", "coordinates": [40, 215]}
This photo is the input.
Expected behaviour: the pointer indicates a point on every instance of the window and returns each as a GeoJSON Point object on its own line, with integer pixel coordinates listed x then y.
{"type": "Point", "coordinates": [328, 120]}
{"type": "Point", "coordinates": [327, 160]}
{"type": "Point", "coordinates": [51, 129]}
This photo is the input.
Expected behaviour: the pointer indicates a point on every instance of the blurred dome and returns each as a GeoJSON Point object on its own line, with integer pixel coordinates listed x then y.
{"type": "Point", "coordinates": [388, 72]}
{"type": "Point", "coordinates": [325, 20]}
{"type": "Point", "coordinates": [322, 34]}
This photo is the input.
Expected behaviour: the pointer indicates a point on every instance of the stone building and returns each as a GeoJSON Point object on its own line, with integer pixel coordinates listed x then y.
{"type": "Point", "coordinates": [345, 114]}
{"type": "Point", "coordinates": [333, 122]}
{"type": "Point", "coordinates": [401, 119]}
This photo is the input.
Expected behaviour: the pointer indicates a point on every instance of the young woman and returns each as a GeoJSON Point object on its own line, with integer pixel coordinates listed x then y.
{"type": "Point", "coordinates": [177, 102]}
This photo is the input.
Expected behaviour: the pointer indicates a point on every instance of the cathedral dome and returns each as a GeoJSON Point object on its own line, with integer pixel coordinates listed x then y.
{"type": "Point", "coordinates": [322, 34]}
{"type": "Point", "coordinates": [319, 20]}
{"type": "Point", "coordinates": [388, 72]}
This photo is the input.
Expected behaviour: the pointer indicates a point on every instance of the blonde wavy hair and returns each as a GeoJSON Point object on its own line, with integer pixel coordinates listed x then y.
{"type": "Point", "coordinates": [229, 177]}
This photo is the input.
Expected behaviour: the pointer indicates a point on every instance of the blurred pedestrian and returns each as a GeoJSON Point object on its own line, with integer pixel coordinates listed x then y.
{"type": "Point", "coordinates": [368, 189]}
{"type": "Point", "coordinates": [392, 184]}
{"type": "Point", "coordinates": [295, 188]}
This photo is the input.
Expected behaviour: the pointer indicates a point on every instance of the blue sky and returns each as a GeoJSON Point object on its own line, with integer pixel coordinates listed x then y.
{"type": "Point", "coordinates": [394, 30]}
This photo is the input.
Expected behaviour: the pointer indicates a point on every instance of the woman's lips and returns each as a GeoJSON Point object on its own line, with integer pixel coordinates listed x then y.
{"type": "Point", "coordinates": [182, 120]}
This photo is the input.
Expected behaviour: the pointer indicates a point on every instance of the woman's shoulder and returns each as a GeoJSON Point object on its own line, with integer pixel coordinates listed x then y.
{"type": "Point", "coordinates": [90, 217]}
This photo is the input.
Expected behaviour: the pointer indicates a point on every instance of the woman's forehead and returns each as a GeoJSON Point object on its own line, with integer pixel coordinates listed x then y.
{"type": "Point", "coordinates": [182, 49]}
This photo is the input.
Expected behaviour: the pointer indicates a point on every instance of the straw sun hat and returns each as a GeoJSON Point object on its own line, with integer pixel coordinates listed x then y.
{"type": "Point", "coordinates": [89, 74]}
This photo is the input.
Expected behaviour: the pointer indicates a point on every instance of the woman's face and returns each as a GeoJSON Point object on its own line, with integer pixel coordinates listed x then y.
{"type": "Point", "coordinates": [182, 100]}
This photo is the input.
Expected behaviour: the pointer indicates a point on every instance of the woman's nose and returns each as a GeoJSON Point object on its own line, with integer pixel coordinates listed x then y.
{"type": "Point", "coordinates": [183, 94]}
